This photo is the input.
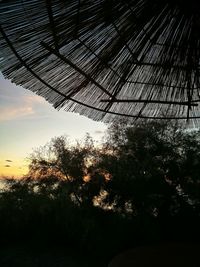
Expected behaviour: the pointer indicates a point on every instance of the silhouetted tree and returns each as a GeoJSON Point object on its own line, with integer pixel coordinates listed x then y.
{"type": "Point", "coordinates": [74, 164]}
{"type": "Point", "coordinates": [142, 184]}
{"type": "Point", "coordinates": [154, 167]}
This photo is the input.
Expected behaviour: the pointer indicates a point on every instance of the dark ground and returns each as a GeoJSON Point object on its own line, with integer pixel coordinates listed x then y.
{"type": "Point", "coordinates": [26, 256]}
{"type": "Point", "coordinates": [160, 255]}
{"type": "Point", "coordinates": [172, 255]}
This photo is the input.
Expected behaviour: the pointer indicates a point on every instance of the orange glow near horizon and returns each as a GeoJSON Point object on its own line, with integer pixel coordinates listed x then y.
{"type": "Point", "coordinates": [15, 168]}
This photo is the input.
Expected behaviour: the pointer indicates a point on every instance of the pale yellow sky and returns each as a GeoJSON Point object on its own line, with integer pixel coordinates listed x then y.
{"type": "Point", "coordinates": [16, 167]}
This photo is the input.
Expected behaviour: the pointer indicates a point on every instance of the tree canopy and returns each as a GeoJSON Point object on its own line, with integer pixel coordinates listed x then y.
{"type": "Point", "coordinates": [142, 183]}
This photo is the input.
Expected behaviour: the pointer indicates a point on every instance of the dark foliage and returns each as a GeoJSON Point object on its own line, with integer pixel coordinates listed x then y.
{"type": "Point", "coordinates": [141, 186]}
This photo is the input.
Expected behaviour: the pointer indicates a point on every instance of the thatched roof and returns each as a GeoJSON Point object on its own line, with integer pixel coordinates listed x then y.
{"type": "Point", "coordinates": [136, 58]}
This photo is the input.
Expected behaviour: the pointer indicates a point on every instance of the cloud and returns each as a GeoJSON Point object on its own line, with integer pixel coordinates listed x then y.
{"type": "Point", "coordinates": [7, 166]}
{"type": "Point", "coordinates": [10, 113]}
{"type": "Point", "coordinates": [20, 107]}
{"type": "Point", "coordinates": [17, 103]}
{"type": "Point", "coordinates": [8, 160]}
{"type": "Point", "coordinates": [34, 99]}
{"type": "Point", "coordinates": [98, 132]}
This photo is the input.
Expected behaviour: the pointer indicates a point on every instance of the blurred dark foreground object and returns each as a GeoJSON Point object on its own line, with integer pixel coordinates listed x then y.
{"type": "Point", "coordinates": [165, 255]}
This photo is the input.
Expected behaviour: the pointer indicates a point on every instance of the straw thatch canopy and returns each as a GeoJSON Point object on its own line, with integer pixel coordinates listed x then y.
{"type": "Point", "coordinates": [102, 58]}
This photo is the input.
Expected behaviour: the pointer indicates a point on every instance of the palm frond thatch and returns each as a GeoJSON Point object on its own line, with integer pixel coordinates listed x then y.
{"type": "Point", "coordinates": [135, 58]}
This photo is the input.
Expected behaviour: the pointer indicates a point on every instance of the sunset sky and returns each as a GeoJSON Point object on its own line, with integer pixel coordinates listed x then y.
{"type": "Point", "coordinates": [27, 121]}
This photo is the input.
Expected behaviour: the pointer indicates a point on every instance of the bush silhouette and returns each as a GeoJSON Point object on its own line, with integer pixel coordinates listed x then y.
{"type": "Point", "coordinates": [141, 186]}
